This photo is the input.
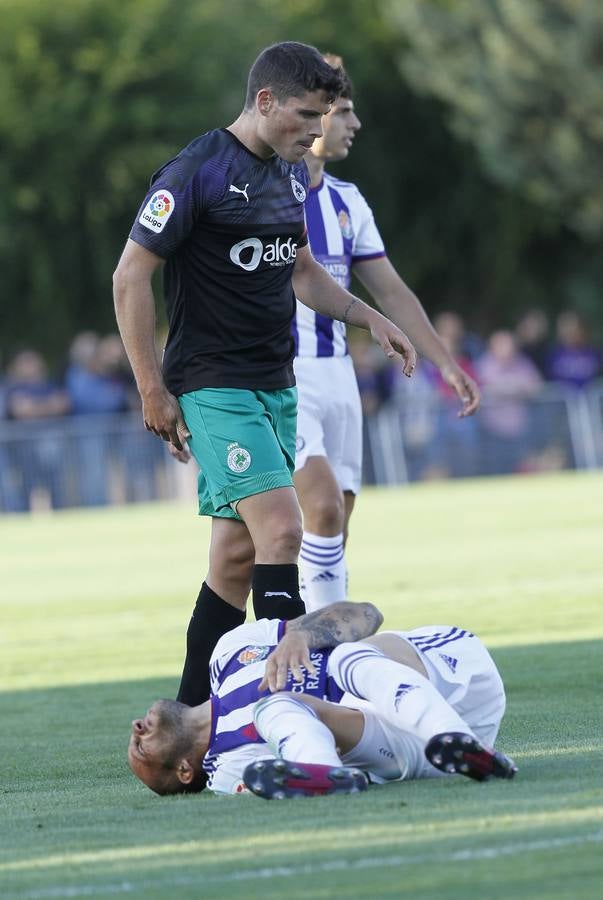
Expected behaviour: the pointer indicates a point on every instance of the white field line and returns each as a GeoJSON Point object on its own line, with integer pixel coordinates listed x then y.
{"type": "Point", "coordinates": [311, 869]}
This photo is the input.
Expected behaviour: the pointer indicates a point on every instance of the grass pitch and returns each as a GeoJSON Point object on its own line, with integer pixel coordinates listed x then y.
{"type": "Point", "coordinates": [94, 609]}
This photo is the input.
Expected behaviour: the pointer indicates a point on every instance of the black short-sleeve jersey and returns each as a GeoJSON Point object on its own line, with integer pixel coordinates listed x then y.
{"type": "Point", "coordinates": [228, 225]}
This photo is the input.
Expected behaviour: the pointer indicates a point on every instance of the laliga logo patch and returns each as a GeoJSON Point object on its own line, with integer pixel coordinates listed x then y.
{"type": "Point", "coordinates": [157, 211]}
{"type": "Point", "coordinates": [299, 191]}
{"type": "Point", "coordinates": [238, 459]}
{"type": "Point", "coordinates": [345, 224]}
{"type": "Point", "coordinates": [252, 654]}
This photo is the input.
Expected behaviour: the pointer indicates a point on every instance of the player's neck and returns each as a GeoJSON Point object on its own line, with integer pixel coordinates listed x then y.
{"type": "Point", "coordinates": [199, 719]}
{"type": "Point", "coordinates": [245, 131]}
{"type": "Point", "coordinates": [316, 167]}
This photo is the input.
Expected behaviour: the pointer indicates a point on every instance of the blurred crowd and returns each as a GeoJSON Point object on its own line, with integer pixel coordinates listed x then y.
{"type": "Point", "coordinates": [79, 465]}
{"type": "Point", "coordinates": [516, 430]}
{"type": "Point", "coordinates": [73, 441]}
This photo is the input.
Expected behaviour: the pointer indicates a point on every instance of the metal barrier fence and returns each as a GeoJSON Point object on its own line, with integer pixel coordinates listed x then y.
{"type": "Point", "coordinates": [83, 461]}
{"type": "Point", "coordinates": [97, 460]}
{"type": "Point", "coordinates": [416, 436]}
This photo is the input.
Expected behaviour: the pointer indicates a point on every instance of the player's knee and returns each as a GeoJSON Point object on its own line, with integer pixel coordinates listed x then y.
{"type": "Point", "coordinates": [282, 537]}
{"type": "Point", "coordinates": [240, 556]}
{"type": "Point", "coordinates": [344, 659]}
{"type": "Point", "coordinates": [326, 513]}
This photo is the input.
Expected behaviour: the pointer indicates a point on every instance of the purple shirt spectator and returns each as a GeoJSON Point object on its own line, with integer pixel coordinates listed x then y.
{"type": "Point", "coordinates": [573, 360]}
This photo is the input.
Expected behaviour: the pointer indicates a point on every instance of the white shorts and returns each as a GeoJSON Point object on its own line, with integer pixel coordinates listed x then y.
{"type": "Point", "coordinates": [329, 416]}
{"type": "Point", "coordinates": [463, 672]}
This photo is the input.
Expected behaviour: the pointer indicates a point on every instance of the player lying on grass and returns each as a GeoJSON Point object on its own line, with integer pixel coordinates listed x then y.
{"type": "Point", "coordinates": [309, 706]}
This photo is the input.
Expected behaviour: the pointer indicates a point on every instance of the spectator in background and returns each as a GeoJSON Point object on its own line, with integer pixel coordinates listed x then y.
{"type": "Point", "coordinates": [469, 344]}
{"type": "Point", "coordinates": [35, 463]}
{"type": "Point", "coordinates": [532, 335]}
{"type": "Point", "coordinates": [97, 385]}
{"type": "Point", "coordinates": [98, 378]}
{"type": "Point", "coordinates": [573, 360]}
{"type": "Point", "coordinates": [509, 380]}
{"type": "Point", "coordinates": [454, 449]}
{"type": "Point", "coordinates": [375, 378]}
{"type": "Point", "coordinates": [375, 374]}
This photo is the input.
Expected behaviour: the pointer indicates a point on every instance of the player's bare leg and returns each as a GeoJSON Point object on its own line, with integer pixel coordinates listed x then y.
{"type": "Point", "coordinates": [273, 519]}
{"type": "Point", "coordinates": [231, 560]}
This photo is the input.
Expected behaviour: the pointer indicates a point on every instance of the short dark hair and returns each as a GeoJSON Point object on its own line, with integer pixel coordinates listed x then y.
{"type": "Point", "coordinates": [291, 69]}
{"type": "Point", "coordinates": [336, 62]}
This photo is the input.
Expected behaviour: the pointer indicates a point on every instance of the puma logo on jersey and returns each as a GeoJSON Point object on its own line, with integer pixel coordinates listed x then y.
{"type": "Point", "coordinates": [239, 191]}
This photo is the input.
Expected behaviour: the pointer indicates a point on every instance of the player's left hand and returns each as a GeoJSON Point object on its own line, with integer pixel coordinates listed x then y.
{"type": "Point", "coordinates": [464, 387]}
{"type": "Point", "coordinates": [291, 653]}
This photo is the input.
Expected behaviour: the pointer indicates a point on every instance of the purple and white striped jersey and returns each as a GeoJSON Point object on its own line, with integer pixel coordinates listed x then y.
{"type": "Point", "coordinates": [342, 231]}
{"type": "Point", "coordinates": [236, 669]}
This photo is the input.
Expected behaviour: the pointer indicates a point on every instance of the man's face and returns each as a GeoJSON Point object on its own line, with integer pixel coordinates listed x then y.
{"type": "Point", "coordinates": [291, 126]}
{"type": "Point", "coordinates": [339, 127]}
{"type": "Point", "coordinates": [155, 740]}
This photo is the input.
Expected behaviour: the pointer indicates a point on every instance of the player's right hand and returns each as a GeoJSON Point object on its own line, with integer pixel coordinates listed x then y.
{"type": "Point", "coordinates": [291, 653]}
{"type": "Point", "coordinates": [182, 456]}
{"type": "Point", "coordinates": [163, 416]}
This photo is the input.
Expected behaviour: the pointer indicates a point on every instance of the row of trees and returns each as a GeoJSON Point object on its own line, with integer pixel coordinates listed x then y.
{"type": "Point", "coordinates": [480, 152]}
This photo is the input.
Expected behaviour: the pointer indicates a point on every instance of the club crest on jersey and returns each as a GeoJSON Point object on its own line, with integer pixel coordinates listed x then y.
{"type": "Point", "coordinates": [300, 443]}
{"type": "Point", "coordinates": [157, 211]}
{"type": "Point", "coordinates": [345, 224]}
{"type": "Point", "coordinates": [252, 654]}
{"type": "Point", "coordinates": [238, 459]}
{"type": "Point", "coordinates": [299, 191]}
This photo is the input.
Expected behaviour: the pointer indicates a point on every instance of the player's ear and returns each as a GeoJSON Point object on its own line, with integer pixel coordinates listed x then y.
{"type": "Point", "coordinates": [264, 101]}
{"type": "Point", "coordinates": [185, 772]}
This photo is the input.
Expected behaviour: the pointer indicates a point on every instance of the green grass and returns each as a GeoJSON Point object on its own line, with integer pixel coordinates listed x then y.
{"type": "Point", "coordinates": [94, 609]}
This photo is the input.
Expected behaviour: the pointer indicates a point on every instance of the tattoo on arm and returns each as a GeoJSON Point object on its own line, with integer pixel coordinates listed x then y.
{"type": "Point", "coordinates": [352, 303]}
{"type": "Point", "coordinates": [338, 623]}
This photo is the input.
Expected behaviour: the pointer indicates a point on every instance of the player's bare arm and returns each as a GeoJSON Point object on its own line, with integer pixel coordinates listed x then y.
{"type": "Point", "coordinates": [402, 306]}
{"type": "Point", "coordinates": [135, 313]}
{"type": "Point", "coordinates": [315, 288]}
{"type": "Point", "coordinates": [328, 627]}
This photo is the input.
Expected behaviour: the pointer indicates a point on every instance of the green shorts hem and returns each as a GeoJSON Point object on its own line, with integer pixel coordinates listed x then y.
{"type": "Point", "coordinates": [219, 503]}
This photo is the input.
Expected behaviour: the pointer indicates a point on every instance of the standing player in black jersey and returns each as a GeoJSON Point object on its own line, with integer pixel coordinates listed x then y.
{"type": "Point", "coordinates": [226, 217]}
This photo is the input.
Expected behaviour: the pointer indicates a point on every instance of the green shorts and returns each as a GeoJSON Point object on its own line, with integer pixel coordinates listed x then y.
{"type": "Point", "coordinates": [243, 441]}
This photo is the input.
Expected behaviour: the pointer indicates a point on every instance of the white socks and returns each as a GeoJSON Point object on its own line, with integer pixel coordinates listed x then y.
{"type": "Point", "coordinates": [293, 731]}
{"type": "Point", "coordinates": [400, 694]}
{"type": "Point", "coordinates": [323, 576]}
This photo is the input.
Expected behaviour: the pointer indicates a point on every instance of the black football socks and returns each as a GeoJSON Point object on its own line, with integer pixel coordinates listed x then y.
{"type": "Point", "coordinates": [276, 592]}
{"type": "Point", "coordinates": [212, 617]}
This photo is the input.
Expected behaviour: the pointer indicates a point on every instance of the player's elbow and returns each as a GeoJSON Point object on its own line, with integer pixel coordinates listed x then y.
{"type": "Point", "coordinates": [372, 616]}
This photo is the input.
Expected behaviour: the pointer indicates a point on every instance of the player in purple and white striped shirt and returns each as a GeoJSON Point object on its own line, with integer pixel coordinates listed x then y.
{"type": "Point", "coordinates": [308, 711]}
{"type": "Point", "coordinates": [345, 239]}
